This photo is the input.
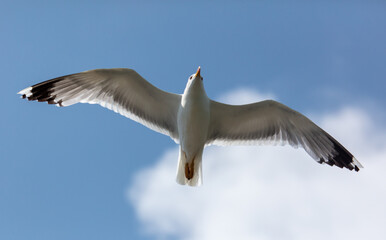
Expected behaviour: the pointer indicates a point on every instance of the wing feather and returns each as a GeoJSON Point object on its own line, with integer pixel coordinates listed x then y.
{"type": "Point", "coordinates": [121, 90]}
{"type": "Point", "coordinates": [272, 122]}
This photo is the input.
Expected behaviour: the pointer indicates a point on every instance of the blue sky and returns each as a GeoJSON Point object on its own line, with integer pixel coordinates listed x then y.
{"type": "Point", "coordinates": [64, 172]}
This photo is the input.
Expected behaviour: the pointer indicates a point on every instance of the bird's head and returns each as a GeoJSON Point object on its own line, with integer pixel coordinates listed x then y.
{"type": "Point", "coordinates": [195, 82]}
{"type": "Point", "coordinates": [196, 76]}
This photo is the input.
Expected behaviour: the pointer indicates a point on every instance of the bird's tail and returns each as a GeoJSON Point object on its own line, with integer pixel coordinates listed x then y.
{"type": "Point", "coordinates": [189, 171]}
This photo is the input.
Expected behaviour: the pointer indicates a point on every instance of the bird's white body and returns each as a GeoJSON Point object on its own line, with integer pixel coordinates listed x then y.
{"type": "Point", "coordinates": [193, 125]}
{"type": "Point", "coordinates": [192, 119]}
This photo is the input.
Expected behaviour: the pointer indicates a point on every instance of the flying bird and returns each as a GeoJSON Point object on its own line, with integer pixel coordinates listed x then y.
{"type": "Point", "coordinates": [192, 119]}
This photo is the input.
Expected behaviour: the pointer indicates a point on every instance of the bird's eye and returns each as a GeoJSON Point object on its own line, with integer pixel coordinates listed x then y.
{"type": "Point", "coordinates": [190, 78]}
{"type": "Point", "coordinates": [202, 78]}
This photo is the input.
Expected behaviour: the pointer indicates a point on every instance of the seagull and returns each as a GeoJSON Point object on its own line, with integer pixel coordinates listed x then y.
{"type": "Point", "coordinates": [191, 119]}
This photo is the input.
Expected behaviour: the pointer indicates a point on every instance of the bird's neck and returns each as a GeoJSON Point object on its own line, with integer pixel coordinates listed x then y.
{"type": "Point", "coordinates": [194, 93]}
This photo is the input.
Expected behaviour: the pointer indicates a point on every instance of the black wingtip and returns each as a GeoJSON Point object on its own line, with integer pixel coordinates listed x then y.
{"type": "Point", "coordinates": [42, 92]}
{"type": "Point", "coordinates": [341, 157]}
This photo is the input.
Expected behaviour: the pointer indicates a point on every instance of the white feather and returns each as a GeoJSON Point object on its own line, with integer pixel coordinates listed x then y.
{"type": "Point", "coordinates": [193, 120]}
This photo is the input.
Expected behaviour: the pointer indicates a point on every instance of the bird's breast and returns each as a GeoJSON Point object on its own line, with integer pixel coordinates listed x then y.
{"type": "Point", "coordinates": [193, 123]}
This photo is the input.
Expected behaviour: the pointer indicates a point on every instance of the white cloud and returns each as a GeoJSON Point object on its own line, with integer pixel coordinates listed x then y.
{"type": "Point", "coordinates": [271, 192]}
{"type": "Point", "coordinates": [244, 96]}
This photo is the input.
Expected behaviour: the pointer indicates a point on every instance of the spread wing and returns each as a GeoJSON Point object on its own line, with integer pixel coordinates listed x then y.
{"type": "Point", "coordinates": [270, 121]}
{"type": "Point", "coordinates": [121, 90]}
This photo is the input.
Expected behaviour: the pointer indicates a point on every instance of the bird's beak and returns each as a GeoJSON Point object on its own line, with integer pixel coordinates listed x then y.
{"type": "Point", "coordinates": [198, 72]}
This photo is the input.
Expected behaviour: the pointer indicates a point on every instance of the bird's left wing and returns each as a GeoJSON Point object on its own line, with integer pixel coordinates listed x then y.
{"type": "Point", "coordinates": [121, 90]}
{"type": "Point", "coordinates": [270, 121]}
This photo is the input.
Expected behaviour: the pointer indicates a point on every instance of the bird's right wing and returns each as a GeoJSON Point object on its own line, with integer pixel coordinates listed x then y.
{"type": "Point", "coordinates": [121, 90]}
{"type": "Point", "coordinates": [274, 122]}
